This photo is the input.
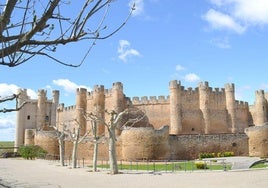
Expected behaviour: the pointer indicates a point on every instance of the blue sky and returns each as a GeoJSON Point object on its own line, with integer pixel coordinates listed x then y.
{"type": "Point", "coordinates": [219, 41]}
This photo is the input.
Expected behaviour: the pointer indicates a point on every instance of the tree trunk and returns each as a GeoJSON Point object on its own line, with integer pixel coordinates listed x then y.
{"type": "Point", "coordinates": [62, 151]}
{"type": "Point", "coordinates": [74, 154]}
{"type": "Point", "coordinates": [95, 155]}
{"type": "Point", "coordinates": [112, 152]}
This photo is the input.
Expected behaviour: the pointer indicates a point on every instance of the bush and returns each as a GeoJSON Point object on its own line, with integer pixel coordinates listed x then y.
{"type": "Point", "coordinates": [225, 154]}
{"type": "Point", "coordinates": [32, 152]}
{"type": "Point", "coordinates": [206, 155]}
{"type": "Point", "coordinates": [201, 165]}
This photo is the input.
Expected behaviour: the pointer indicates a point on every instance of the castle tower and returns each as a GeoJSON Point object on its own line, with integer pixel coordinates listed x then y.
{"type": "Point", "coordinates": [204, 105]}
{"type": "Point", "coordinates": [41, 119]}
{"type": "Point", "coordinates": [175, 107]}
{"type": "Point", "coordinates": [118, 100]}
{"type": "Point", "coordinates": [260, 108]}
{"type": "Point", "coordinates": [81, 106]}
{"type": "Point", "coordinates": [20, 124]}
{"type": "Point", "coordinates": [99, 105]}
{"type": "Point", "coordinates": [55, 103]}
{"type": "Point", "coordinates": [230, 105]}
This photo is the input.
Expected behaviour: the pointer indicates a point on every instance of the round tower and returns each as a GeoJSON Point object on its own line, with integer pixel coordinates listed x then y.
{"type": "Point", "coordinates": [81, 107]}
{"type": "Point", "coordinates": [99, 105]}
{"type": "Point", "coordinates": [230, 105]}
{"type": "Point", "coordinates": [29, 136]}
{"type": "Point", "coordinates": [175, 107]}
{"type": "Point", "coordinates": [260, 115]}
{"type": "Point", "coordinates": [41, 109]}
{"type": "Point", "coordinates": [20, 122]}
{"type": "Point", "coordinates": [204, 105]}
{"type": "Point", "coordinates": [118, 100]}
{"type": "Point", "coordinates": [55, 103]}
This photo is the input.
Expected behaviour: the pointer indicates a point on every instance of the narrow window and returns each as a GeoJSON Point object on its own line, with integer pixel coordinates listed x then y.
{"type": "Point", "coordinates": [28, 117]}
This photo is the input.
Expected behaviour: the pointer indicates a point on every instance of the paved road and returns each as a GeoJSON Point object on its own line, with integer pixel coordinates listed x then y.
{"type": "Point", "coordinates": [44, 174]}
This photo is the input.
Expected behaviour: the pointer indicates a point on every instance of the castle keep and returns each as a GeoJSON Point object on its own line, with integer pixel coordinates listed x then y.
{"type": "Point", "coordinates": [178, 126]}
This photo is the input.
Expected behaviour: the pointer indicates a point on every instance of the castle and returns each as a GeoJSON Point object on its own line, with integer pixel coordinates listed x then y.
{"type": "Point", "coordinates": [179, 126]}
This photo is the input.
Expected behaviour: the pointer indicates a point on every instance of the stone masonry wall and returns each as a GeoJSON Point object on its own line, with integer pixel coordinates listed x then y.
{"type": "Point", "coordinates": [189, 146]}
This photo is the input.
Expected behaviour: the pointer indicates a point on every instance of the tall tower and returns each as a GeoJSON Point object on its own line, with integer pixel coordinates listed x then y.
{"type": "Point", "coordinates": [81, 106]}
{"type": "Point", "coordinates": [230, 105]}
{"type": "Point", "coordinates": [41, 109]}
{"type": "Point", "coordinates": [55, 103]}
{"type": "Point", "coordinates": [99, 107]}
{"type": "Point", "coordinates": [175, 107]}
{"type": "Point", "coordinates": [118, 104]}
{"type": "Point", "coordinates": [260, 108]}
{"type": "Point", "coordinates": [20, 124]}
{"type": "Point", "coordinates": [204, 105]}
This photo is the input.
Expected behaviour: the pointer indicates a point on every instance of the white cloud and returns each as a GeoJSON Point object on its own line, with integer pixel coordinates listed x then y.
{"type": "Point", "coordinates": [139, 7]}
{"type": "Point", "coordinates": [223, 43]}
{"type": "Point", "coordinates": [125, 51]}
{"type": "Point", "coordinates": [69, 86]}
{"type": "Point", "coordinates": [179, 68]}
{"type": "Point", "coordinates": [191, 77]}
{"type": "Point", "coordinates": [237, 15]}
{"type": "Point", "coordinates": [7, 126]}
{"type": "Point", "coordinates": [220, 21]}
{"type": "Point", "coordinates": [10, 89]}
{"type": "Point", "coordinates": [252, 12]}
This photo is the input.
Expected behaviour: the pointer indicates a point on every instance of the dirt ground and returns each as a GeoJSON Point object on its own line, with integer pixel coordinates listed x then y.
{"type": "Point", "coordinates": [45, 174]}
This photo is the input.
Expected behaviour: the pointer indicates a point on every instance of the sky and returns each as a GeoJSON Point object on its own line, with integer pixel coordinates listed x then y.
{"type": "Point", "coordinates": [219, 41]}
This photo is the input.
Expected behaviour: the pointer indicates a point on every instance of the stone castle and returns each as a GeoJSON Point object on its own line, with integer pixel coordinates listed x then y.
{"type": "Point", "coordinates": [179, 126]}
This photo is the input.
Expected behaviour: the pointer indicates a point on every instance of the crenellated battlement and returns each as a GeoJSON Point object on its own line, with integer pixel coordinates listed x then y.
{"type": "Point", "coordinates": [42, 92]}
{"type": "Point", "coordinates": [229, 87]}
{"type": "Point", "coordinates": [259, 93]}
{"type": "Point", "coordinates": [69, 108]}
{"type": "Point", "coordinates": [150, 100]}
{"type": "Point", "coordinates": [241, 104]}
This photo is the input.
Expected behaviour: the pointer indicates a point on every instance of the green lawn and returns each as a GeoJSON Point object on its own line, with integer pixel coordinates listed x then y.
{"type": "Point", "coordinates": [6, 144]}
{"type": "Point", "coordinates": [164, 166]}
{"type": "Point", "coordinates": [260, 165]}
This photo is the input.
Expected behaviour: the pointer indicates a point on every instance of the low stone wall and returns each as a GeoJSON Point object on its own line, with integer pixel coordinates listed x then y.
{"type": "Point", "coordinates": [258, 140]}
{"type": "Point", "coordinates": [189, 146]}
{"type": "Point", "coordinates": [145, 143]}
{"type": "Point", "coordinates": [48, 141]}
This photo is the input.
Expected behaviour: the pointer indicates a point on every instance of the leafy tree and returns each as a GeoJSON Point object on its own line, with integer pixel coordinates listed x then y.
{"type": "Point", "coordinates": [31, 28]}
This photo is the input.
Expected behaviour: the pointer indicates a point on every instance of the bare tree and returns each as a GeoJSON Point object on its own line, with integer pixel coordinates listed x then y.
{"type": "Point", "coordinates": [61, 136]}
{"type": "Point", "coordinates": [31, 28]}
{"type": "Point", "coordinates": [76, 139]}
{"type": "Point", "coordinates": [115, 123]}
{"type": "Point", "coordinates": [15, 97]}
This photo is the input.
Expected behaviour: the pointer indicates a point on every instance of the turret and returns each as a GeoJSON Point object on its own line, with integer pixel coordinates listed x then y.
{"type": "Point", "coordinates": [81, 107]}
{"type": "Point", "coordinates": [99, 107]}
{"type": "Point", "coordinates": [118, 100]}
{"type": "Point", "coordinates": [260, 108]}
{"type": "Point", "coordinates": [230, 105]}
{"type": "Point", "coordinates": [41, 119]}
{"type": "Point", "coordinates": [175, 107]}
{"type": "Point", "coordinates": [204, 104]}
{"type": "Point", "coordinates": [20, 124]}
{"type": "Point", "coordinates": [55, 103]}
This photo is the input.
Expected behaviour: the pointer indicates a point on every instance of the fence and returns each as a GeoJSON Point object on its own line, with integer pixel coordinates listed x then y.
{"type": "Point", "coordinates": [151, 166]}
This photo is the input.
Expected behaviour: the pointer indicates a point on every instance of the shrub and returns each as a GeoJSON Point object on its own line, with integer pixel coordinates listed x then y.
{"type": "Point", "coordinates": [225, 154]}
{"type": "Point", "coordinates": [206, 155]}
{"type": "Point", "coordinates": [31, 152]}
{"type": "Point", "coordinates": [201, 165]}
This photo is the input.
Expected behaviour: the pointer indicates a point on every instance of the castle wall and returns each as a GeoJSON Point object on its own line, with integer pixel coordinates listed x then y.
{"type": "Point", "coordinates": [189, 146]}
{"type": "Point", "coordinates": [157, 109]}
{"type": "Point", "coordinates": [258, 140]}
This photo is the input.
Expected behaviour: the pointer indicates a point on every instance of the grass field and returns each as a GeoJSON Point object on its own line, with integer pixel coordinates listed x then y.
{"type": "Point", "coordinates": [165, 166]}
{"type": "Point", "coordinates": [6, 144]}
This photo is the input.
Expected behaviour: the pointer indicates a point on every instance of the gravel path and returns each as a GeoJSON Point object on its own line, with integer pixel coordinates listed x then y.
{"type": "Point", "coordinates": [45, 174]}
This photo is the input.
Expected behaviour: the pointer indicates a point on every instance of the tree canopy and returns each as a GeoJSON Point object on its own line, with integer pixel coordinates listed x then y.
{"type": "Point", "coordinates": [31, 28]}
